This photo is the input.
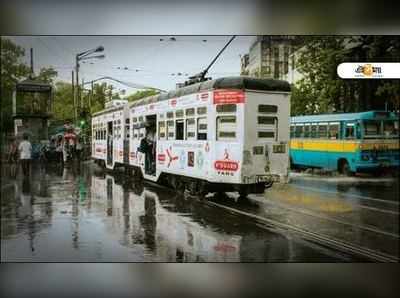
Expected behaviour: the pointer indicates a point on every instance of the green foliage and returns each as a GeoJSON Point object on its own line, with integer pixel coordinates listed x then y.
{"type": "Point", "coordinates": [141, 94]}
{"type": "Point", "coordinates": [321, 90]}
{"type": "Point", "coordinates": [63, 105]}
{"type": "Point", "coordinates": [12, 71]}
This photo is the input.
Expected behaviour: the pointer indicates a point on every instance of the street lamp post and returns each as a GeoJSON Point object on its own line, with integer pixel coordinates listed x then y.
{"type": "Point", "coordinates": [79, 57]}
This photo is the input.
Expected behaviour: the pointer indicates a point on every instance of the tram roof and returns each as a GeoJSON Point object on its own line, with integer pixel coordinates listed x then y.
{"type": "Point", "coordinates": [344, 116]}
{"type": "Point", "coordinates": [238, 82]}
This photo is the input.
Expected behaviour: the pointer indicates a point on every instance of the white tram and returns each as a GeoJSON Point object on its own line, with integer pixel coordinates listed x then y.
{"type": "Point", "coordinates": [228, 134]}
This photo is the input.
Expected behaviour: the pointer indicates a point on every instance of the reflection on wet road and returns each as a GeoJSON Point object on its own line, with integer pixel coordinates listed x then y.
{"type": "Point", "coordinates": [87, 215]}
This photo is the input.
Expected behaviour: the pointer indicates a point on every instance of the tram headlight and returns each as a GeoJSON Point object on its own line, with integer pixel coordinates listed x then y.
{"type": "Point", "coordinates": [247, 160]}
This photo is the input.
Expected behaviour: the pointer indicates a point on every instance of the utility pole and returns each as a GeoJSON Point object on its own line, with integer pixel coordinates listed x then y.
{"type": "Point", "coordinates": [73, 94]}
{"type": "Point", "coordinates": [76, 86]}
{"type": "Point", "coordinates": [32, 73]}
{"type": "Point", "coordinates": [82, 100]}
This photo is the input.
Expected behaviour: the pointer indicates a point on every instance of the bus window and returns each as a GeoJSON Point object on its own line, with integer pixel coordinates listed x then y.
{"type": "Point", "coordinates": [161, 130]}
{"type": "Point", "coordinates": [322, 131]}
{"type": "Point", "coordinates": [313, 130]}
{"type": "Point", "coordinates": [306, 130]}
{"type": "Point", "coordinates": [226, 128]}
{"type": "Point", "coordinates": [202, 128]}
{"type": "Point", "coordinates": [298, 131]}
{"type": "Point", "coordinates": [190, 129]}
{"type": "Point", "coordinates": [372, 128]}
{"type": "Point", "coordinates": [179, 129]}
{"type": "Point", "coordinates": [292, 131]}
{"type": "Point", "coordinates": [349, 132]}
{"type": "Point", "coordinates": [391, 128]}
{"type": "Point", "coordinates": [333, 131]}
{"type": "Point", "coordinates": [170, 130]}
{"type": "Point", "coordinates": [227, 108]}
{"type": "Point", "coordinates": [267, 109]}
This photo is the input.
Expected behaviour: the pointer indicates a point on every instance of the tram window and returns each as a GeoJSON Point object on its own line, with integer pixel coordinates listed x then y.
{"type": "Point", "coordinates": [201, 110]}
{"type": "Point", "coordinates": [161, 130]}
{"type": "Point", "coordinates": [313, 130]}
{"type": "Point", "coordinates": [306, 131]}
{"type": "Point", "coordinates": [298, 131]}
{"type": "Point", "coordinates": [226, 127]}
{"type": "Point", "coordinates": [170, 130]}
{"type": "Point", "coordinates": [227, 108]}
{"type": "Point", "coordinates": [179, 114]}
{"type": "Point", "coordinates": [292, 131]}
{"type": "Point", "coordinates": [322, 130]}
{"type": "Point", "coordinates": [170, 115]}
{"type": "Point", "coordinates": [267, 109]}
{"type": "Point", "coordinates": [333, 131]}
{"type": "Point", "coordinates": [179, 129]}
{"type": "Point", "coordinates": [127, 135]}
{"type": "Point", "coordinates": [202, 128]}
{"type": "Point", "coordinates": [266, 120]}
{"type": "Point", "coordinates": [190, 129]}
{"type": "Point", "coordinates": [349, 133]}
{"type": "Point", "coordinates": [189, 112]}
{"type": "Point", "coordinates": [266, 134]}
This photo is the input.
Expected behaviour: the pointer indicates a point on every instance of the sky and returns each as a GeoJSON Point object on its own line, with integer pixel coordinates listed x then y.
{"type": "Point", "coordinates": [144, 60]}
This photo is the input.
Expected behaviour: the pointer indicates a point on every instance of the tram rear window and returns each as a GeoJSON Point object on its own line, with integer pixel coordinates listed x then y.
{"type": "Point", "coordinates": [228, 108]}
{"type": "Point", "coordinates": [226, 127]}
{"type": "Point", "coordinates": [266, 134]}
{"type": "Point", "coordinates": [267, 109]}
{"type": "Point", "coordinates": [266, 120]}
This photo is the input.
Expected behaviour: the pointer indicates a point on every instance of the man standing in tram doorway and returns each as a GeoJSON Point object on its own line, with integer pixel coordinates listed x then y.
{"type": "Point", "coordinates": [25, 151]}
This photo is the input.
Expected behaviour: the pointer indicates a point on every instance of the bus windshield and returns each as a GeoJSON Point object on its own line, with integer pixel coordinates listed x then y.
{"type": "Point", "coordinates": [381, 128]}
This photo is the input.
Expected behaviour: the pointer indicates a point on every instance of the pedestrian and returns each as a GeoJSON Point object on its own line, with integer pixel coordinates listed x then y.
{"type": "Point", "coordinates": [13, 157]}
{"type": "Point", "coordinates": [78, 148]}
{"type": "Point", "coordinates": [25, 150]}
{"type": "Point", "coordinates": [59, 150]}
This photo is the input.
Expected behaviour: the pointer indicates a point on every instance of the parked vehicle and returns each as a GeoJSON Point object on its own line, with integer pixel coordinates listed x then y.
{"type": "Point", "coordinates": [348, 143]}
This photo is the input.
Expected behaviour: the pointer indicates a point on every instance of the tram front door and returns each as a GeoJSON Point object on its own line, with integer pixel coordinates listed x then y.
{"type": "Point", "coordinates": [109, 143]}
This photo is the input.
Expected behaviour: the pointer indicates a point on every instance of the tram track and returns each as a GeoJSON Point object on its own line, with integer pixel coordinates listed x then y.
{"type": "Point", "coordinates": [323, 240]}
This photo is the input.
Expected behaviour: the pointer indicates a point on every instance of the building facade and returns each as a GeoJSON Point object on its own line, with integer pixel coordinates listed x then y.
{"type": "Point", "coordinates": [268, 57]}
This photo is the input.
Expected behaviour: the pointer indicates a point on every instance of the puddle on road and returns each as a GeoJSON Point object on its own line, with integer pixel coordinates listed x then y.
{"type": "Point", "coordinates": [85, 215]}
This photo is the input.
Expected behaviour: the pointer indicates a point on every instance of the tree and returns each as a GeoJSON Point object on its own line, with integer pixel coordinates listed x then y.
{"type": "Point", "coordinates": [12, 71]}
{"type": "Point", "coordinates": [63, 106]}
{"type": "Point", "coordinates": [141, 94]}
{"type": "Point", "coordinates": [321, 90]}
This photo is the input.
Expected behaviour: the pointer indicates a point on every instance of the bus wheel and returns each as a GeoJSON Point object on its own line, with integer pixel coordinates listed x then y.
{"type": "Point", "coordinates": [344, 168]}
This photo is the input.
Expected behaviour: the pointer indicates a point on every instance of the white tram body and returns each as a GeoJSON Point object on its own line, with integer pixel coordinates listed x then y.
{"type": "Point", "coordinates": [229, 132]}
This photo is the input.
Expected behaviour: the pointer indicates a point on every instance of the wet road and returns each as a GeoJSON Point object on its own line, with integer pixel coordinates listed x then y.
{"type": "Point", "coordinates": [83, 214]}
